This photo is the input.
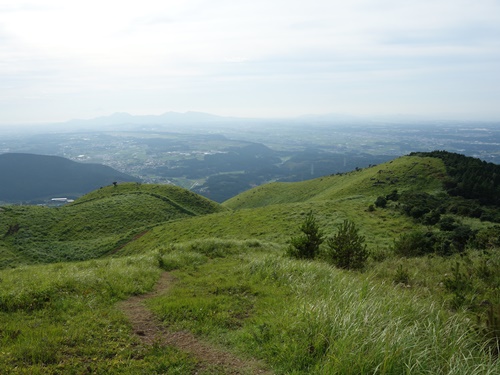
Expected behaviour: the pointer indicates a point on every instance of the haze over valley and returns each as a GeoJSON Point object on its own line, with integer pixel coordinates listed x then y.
{"type": "Point", "coordinates": [220, 157]}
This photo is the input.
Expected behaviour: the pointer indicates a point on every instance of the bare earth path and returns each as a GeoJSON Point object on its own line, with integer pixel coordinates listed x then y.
{"type": "Point", "coordinates": [150, 330]}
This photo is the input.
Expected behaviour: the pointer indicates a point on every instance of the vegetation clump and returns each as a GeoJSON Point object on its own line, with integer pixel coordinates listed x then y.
{"type": "Point", "coordinates": [307, 245]}
{"type": "Point", "coordinates": [469, 177]}
{"type": "Point", "coordinates": [347, 248]}
{"type": "Point", "coordinates": [381, 202]}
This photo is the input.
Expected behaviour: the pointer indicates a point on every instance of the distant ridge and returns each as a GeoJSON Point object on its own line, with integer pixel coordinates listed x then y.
{"type": "Point", "coordinates": [168, 118]}
{"type": "Point", "coordinates": [30, 177]}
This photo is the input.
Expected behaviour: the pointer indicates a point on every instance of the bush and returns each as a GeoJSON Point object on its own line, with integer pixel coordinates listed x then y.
{"type": "Point", "coordinates": [393, 196]}
{"type": "Point", "coordinates": [488, 238]}
{"type": "Point", "coordinates": [306, 246]}
{"type": "Point", "coordinates": [415, 244]}
{"type": "Point", "coordinates": [459, 284]}
{"type": "Point", "coordinates": [460, 236]}
{"type": "Point", "coordinates": [431, 218]}
{"type": "Point", "coordinates": [346, 249]}
{"type": "Point", "coordinates": [381, 202]}
{"type": "Point", "coordinates": [402, 276]}
{"type": "Point", "coordinates": [447, 223]}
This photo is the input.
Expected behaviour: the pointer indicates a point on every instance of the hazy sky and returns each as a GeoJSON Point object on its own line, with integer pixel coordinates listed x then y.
{"type": "Point", "coordinates": [63, 59]}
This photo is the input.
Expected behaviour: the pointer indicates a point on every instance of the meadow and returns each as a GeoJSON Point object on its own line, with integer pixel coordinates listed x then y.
{"type": "Point", "coordinates": [233, 286]}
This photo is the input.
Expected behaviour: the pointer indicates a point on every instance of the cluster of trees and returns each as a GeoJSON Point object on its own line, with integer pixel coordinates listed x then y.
{"type": "Point", "coordinates": [452, 237]}
{"type": "Point", "coordinates": [345, 249]}
{"type": "Point", "coordinates": [469, 177]}
{"type": "Point", "coordinates": [445, 234]}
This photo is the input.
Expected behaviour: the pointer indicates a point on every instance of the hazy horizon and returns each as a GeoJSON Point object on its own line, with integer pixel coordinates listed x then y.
{"type": "Point", "coordinates": [282, 59]}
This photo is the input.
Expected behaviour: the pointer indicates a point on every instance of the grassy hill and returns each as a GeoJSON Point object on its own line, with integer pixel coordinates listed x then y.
{"type": "Point", "coordinates": [273, 212]}
{"type": "Point", "coordinates": [94, 225]}
{"type": "Point", "coordinates": [405, 173]}
{"type": "Point", "coordinates": [232, 285]}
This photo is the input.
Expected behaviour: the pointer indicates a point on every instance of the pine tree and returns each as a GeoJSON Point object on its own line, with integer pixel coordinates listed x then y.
{"type": "Point", "coordinates": [306, 246]}
{"type": "Point", "coordinates": [346, 249]}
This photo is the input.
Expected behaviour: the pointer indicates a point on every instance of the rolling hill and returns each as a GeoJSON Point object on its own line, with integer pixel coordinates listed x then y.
{"type": "Point", "coordinates": [95, 224]}
{"type": "Point", "coordinates": [273, 212]}
{"type": "Point", "coordinates": [227, 282]}
{"type": "Point", "coordinates": [29, 177]}
{"type": "Point", "coordinates": [422, 173]}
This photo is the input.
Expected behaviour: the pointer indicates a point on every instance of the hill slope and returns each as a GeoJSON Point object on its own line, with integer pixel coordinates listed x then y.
{"type": "Point", "coordinates": [274, 212]}
{"type": "Point", "coordinates": [94, 225]}
{"type": "Point", "coordinates": [408, 172]}
{"type": "Point", "coordinates": [226, 280]}
{"type": "Point", "coordinates": [29, 177]}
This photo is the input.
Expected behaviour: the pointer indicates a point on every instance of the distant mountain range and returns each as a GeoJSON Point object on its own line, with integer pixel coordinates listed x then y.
{"type": "Point", "coordinates": [168, 118]}
{"type": "Point", "coordinates": [30, 177]}
{"type": "Point", "coordinates": [199, 118]}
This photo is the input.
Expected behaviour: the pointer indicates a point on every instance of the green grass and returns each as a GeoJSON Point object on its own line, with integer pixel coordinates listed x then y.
{"type": "Point", "coordinates": [277, 223]}
{"type": "Point", "coordinates": [181, 199]}
{"type": "Point", "coordinates": [307, 317]}
{"type": "Point", "coordinates": [405, 173]}
{"type": "Point", "coordinates": [62, 319]}
{"type": "Point", "coordinates": [297, 316]}
{"type": "Point", "coordinates": [95, 225]}
{"type": "Point", "coordinates": [235, 287]}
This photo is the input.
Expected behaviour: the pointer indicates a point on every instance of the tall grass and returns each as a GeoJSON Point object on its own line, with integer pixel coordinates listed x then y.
{"type": "Point", "coordinates": [307, 317]}
{"type": "Point", "coordinates": [300, 317]}
{"type": "Point", "coordinates": [62, 319]}
{"type": "Point", "coordinates": [337, 323]}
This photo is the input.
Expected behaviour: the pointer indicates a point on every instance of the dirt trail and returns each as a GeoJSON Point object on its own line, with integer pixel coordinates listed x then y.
{"type": "Point", "coordinates": [150, 330]}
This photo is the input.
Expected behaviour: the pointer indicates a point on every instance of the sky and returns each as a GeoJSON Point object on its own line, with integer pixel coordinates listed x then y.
{"type": "Point", "coordinates": [62, 60]}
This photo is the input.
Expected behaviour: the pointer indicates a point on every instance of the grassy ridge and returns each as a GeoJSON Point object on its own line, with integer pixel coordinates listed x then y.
{"type": "Point", "coordinates": [277, 223]}
{"type": "Point", "coordinates": [405, 173]}
{"type": "Point", "coordinates": [94, 225]}
{"type": "Point", "coordinates": [182, 199]}
{"type": "Point", "coordinates": [273, 212]}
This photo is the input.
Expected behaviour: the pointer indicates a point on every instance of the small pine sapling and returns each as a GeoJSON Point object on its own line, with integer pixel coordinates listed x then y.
{"type": "Point", "coordinates": [347, 249]}
{"type": "Point", "coordinates": [306, 245]}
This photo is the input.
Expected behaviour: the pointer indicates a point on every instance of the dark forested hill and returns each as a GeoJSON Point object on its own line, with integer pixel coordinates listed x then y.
{"type": "Point", "coordinates": [469, 177]}
{"type": "Point", "coordinates": [29, 177]}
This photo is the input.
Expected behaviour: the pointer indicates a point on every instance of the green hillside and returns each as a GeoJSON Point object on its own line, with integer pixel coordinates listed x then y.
{"type": "Point", "coordinates": [94, 225]}
{"type": "Point", "coordinates": [273, 212]}
{"type": "Point", "coordinates": [405, 173]}
{"type": "Point", "coordinates": [230, 299]}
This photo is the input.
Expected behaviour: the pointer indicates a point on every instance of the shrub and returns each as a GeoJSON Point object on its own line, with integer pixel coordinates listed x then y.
{"type": "Point", "coordinates": [381, 202]}
{"type": "Point", "coordinates": [346, 249]}
{"type": "Point", "coordinates": [459, 284]}
{"type": "Point", "coordinates": [414, 244]}
{"type": "Point", "coordinates": [447, 223]}
{"type": "Point", "coordinates": [488, 238]}
{"type": "Point", "coordinates": [460, 236]}
{"type": "Point", "coordinates": [393, 196]}
{"type": "Point", "coordinates": [306, 246]}
{"type": "Point", "coordinates": [431, 218]}
{"type": "Point", "coordinates": [402, 276]}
